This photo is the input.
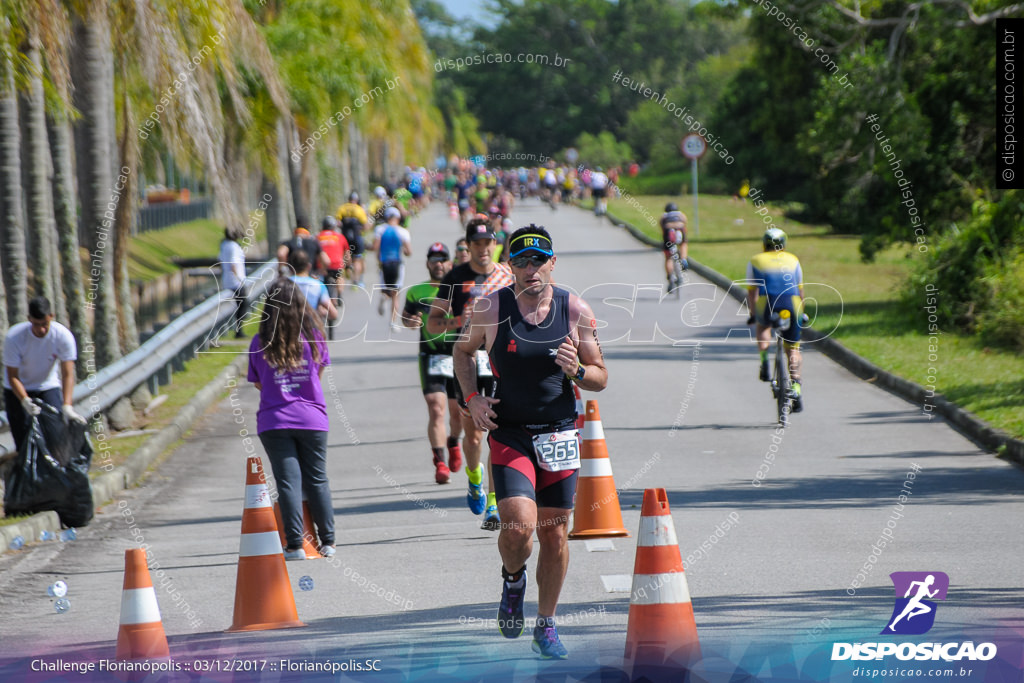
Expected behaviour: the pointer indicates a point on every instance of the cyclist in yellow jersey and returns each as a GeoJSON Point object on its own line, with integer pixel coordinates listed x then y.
{"type": "Point", "coordinates": [775, 283]}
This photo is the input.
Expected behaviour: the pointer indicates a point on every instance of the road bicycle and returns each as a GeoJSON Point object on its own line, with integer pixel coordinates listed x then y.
{"type": "Point", "coordinates": [781, 382]}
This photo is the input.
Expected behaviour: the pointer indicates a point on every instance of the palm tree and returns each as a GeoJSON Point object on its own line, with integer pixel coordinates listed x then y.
{"type": "Point", "coordinates": [59, 128]}
{"type": "Point", "coordinates": [12, 223]}
{"type": "Point", "coordinates": [93, 77]}
{"type": "Point", "coordinates": [37, 154]}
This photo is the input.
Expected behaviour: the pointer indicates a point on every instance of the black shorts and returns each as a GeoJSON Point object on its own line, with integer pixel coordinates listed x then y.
{"type": "Point", "coordinates": [355, 244]}
{"type": "Point", "coordinates": [332, 276]}
{"type": "Point", "coordinates": [434, 384]}
{"type": "Point", "coordinates": [515, 472]}
{"type": "Point", "coordinates": [599, 192]}
{"type": "Point", "coordinates": [391, 271]}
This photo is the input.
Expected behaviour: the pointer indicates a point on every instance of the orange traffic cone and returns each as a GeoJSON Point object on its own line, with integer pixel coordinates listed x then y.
{"type": "Point", "coordinates": [141, 634]}
{"type": "Point", "coordinates": [308, 534]}
{"type": "Point", "coordinates": [597, 513]}
{"type": "Point", "coordinates": [661, 634]}
{"type": "Point", "coordinates": [453, 211]}
{"type": "Point", "coordinates": [580, 411]}
{"type": "Point", "coordinates": [263, 592]}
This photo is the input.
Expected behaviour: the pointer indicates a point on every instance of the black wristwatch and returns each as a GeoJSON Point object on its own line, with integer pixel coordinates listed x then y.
{"type": "Point", "coordinates": [580, 372]}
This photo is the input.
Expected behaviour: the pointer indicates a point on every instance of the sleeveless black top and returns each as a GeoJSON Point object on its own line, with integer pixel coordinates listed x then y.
{"type": "Point", "coordinates": [534, 391]}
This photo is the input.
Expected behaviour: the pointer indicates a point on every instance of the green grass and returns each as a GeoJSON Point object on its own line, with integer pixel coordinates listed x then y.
{"type": "Point", "coordinates": [151, 253]}
{"type": "Point", "coordinates": [860, 302]}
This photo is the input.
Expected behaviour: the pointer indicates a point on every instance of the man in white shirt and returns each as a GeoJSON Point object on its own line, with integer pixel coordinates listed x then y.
{"type": "Point", "coordinates": [599, 190]}
{"type": "Point", "coordinates": [232, 275]}
{"type": "Point", "coordinates": [32, 351]}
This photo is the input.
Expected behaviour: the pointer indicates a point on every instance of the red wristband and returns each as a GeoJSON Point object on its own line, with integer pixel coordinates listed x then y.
{"type": "Point", "coordinates": [470, 397]}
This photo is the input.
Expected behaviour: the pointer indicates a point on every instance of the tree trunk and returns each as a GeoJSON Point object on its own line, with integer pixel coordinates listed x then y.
{"type": "Point", "coordinates": [277, 226]}
{"type": "Point", "coordinates": [12, 222]}
{"type": "Point", "coordinates": [285, 189]}
{"type": "Point", "coordinates": [294, 164]}
{"type": "Point", "coordinates": [40, 211]}
{"type": "Point", "coordinates": [93, 77]}
{"type": "Point", "coordinates": [124, 219]}
{"type": "Point", "coordinates": [67, 241]}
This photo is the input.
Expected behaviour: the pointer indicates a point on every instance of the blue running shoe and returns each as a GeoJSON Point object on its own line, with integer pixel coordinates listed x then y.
{"type": "Point", "coordinates": [491, 521]}
{"type": "Point", "coordinates": [546, 643]}
{"type": "Point", "coordinates": [510, 611]}
{"type": "Point", "coordinates": [476, 499]}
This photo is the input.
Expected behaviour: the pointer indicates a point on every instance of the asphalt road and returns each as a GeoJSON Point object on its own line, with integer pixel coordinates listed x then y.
{"type": "Point", "coordinates": [415, 579]}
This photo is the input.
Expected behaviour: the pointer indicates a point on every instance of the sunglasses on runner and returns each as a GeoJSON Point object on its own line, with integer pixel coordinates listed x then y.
{"type": "Point", "coordinates": [524, 260]}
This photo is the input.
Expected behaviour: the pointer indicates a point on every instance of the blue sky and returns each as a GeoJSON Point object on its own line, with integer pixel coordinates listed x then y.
{"type": "Point", "coordinates": [469, 9]}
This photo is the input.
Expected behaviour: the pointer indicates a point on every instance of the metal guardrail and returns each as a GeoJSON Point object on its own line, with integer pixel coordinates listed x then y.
{"type": "Point", "coordinates": [159, 216]}
{"type": "Point", "coordinates": [154, 361]}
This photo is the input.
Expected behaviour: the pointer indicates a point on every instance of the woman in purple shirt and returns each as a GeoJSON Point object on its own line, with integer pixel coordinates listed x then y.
{"type": "Point", "coordinates": [286, 360]}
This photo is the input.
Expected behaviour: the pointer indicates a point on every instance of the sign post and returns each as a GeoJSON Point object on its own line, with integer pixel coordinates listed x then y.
{"type": "Point", "coordinates": [693, 147]}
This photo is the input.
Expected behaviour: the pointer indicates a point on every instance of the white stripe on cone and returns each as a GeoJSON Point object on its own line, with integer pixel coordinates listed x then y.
{"type": "Point", "coordinates": [592, 429]}
{"type": "Point", "coordinates": [138, 606]}
{"type": "Point", "coordinates": [659, 589]}
{"type": "Point", "coordinates": [657, 531]}
{"type": "Point", "coordinates": [257, 496]}
{"type": "Point", "coordinates": [262, 543]}
{"type": "Point", "coordinates": [595, 467]}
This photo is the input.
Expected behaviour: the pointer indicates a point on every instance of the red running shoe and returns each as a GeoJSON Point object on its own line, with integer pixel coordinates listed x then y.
{"type": "Point", "coordinates": [441, 474]}
{"type": "Point", "coordinates": [455, 458]}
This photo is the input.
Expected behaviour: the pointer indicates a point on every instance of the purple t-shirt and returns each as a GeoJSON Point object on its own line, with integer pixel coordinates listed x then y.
{"type": "Point", "coordinates": [290, 399]}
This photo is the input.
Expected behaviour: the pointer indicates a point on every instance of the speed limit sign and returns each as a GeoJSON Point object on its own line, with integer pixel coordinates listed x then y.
{"type": "Point", "coordinates": [693, 146]}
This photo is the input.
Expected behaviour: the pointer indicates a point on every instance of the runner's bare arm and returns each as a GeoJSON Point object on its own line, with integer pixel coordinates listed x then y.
{"type": "Point", "coordinates": [478, 331]}
{"type": "Point", "coordinates": [582, 349]}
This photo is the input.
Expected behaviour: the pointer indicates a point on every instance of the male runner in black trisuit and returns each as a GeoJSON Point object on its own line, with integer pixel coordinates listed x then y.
{"type": "Point", "coordinates": [540, 339]}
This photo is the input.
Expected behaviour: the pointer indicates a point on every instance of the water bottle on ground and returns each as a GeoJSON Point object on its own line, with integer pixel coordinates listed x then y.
{"type": "Point", "coordinates": [62, 605]}
{"type": "Point", "coordinates": [58, 589]}
{"type": "Point", "coordinates": [67, 535]}
{"type": "Point", "coordinates": [17, 543]}
{"type": "Point", "coordinates": [46, 535]}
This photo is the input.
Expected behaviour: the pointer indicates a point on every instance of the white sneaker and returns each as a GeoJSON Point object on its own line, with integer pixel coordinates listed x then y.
{"type": "Point", "coordinates": [299, 554]}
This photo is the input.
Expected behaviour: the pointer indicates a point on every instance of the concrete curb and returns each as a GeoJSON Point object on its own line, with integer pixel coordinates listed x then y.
{"type": "Point", "coordinates": [967, 423]}
{"type": "Point", "coordinates": [134, 469]}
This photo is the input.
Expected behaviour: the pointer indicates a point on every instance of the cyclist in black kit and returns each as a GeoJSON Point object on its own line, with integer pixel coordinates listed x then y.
{"type": "Point", "coordinates": [673, 236]}
{"type": "Point", "coordinates": [545, 340]}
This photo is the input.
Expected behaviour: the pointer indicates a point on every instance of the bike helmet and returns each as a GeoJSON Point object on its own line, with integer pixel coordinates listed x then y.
{"type": "Point", "coordinates": [329, 223]}
{"type": "Point", "coordinates": [774, 239]}
{"type": "Point", "coordinates": [671, 206]}
{"type": "Point", "coordinates": [354, 197]}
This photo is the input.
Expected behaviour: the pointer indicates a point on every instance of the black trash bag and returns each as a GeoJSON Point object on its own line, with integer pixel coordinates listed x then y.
{"type": "Point", "coordinates": [51, 471]}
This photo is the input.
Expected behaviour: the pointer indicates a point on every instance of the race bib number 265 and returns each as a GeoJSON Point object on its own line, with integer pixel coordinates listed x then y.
{"type": "Point", "coordinates": [558, 451]}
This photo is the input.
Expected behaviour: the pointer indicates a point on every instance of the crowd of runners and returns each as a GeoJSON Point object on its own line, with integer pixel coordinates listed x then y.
{"type": "Point", "coordinates": [500, 348]}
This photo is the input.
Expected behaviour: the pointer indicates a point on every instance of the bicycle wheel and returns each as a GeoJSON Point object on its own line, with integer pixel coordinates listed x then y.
{"type": "Point", "coordinates": [677, 270]}
{"type": "Point", "coordinates": [782, 384]}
